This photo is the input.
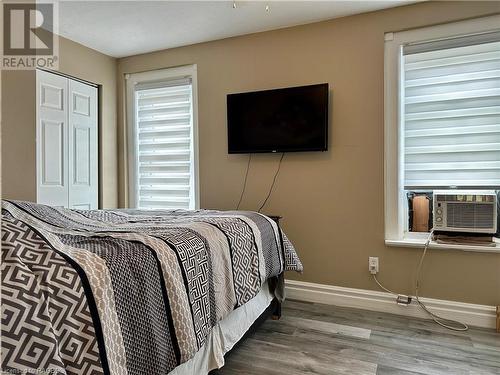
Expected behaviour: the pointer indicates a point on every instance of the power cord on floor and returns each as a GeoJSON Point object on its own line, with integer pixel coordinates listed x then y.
{"type": "Point", "coordinates": [245, 182]}
{"type": "Point", "coordinates": [383, 287]}
{"type": "Point", "coordinates": [451, 324]}
{"type": "Point", "coordinates": [274, 181]}
{"type": "Point", "coordinates": [443, 322]}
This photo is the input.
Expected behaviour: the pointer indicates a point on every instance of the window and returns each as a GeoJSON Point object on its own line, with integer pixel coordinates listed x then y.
{"type": "Point", "coordinates": [442, 114]}
{"type": "Point", "coordinates": [162, 139]}
{"type": "Point", "coordinates": [451, 119]}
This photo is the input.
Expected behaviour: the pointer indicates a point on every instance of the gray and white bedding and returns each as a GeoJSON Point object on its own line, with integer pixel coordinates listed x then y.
{"type": "Point", "coordinates": [126, 291]}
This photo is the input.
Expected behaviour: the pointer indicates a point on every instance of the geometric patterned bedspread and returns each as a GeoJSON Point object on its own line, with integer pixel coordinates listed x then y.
{"type": "Point", "coordinates": [126, 291]}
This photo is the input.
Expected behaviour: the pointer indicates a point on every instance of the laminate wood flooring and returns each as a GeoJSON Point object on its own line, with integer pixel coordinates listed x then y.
{"type": "Point", "coordinates": [320, 339]}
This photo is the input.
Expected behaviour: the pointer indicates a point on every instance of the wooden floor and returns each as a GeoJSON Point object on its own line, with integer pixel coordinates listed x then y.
{"type": "Point", "coordinates": [320, 339]}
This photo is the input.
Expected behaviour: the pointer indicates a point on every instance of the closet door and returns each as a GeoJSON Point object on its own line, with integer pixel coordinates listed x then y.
{"type": "Point", "coordinates": [82, 145]}
{"type": "Point", "coordinates": [51, 139]}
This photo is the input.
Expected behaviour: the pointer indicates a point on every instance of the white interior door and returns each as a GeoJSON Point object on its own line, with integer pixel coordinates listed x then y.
{"type": "Point", "coordinates": [51, 139]}
{"type": "Point", "coordinates": [83, 170]}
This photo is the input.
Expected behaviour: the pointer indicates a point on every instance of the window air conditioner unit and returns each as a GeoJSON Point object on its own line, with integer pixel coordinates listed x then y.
{"type": "Point", "coordinates": [465, 211]}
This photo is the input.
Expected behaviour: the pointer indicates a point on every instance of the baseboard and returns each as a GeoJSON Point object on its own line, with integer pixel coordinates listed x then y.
{"type": "Point", "coordinates": [474, 315]}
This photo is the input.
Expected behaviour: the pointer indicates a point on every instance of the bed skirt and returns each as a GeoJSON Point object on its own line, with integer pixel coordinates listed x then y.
{"type": "Point", "coordinates": [225, 335]}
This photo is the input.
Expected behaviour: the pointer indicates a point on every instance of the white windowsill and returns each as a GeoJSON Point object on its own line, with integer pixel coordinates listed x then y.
{"type": "Point", "coordinates": [419, 243]}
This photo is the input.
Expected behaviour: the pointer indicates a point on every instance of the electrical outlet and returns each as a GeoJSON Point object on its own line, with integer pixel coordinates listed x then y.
{"type": "Point", "coordinates": [373, 265]}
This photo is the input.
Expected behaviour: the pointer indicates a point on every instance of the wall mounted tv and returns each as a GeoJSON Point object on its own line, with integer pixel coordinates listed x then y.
{"type": "Point", "coordinates": [280, 120]}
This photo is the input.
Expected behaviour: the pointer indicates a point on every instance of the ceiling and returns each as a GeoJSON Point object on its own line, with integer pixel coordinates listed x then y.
{"type": "Point", "coordinates": [124, 28]}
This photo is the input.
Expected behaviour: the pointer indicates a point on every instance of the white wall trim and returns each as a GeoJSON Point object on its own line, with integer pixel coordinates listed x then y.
{"type": "Point", "coordinates": [471, 314]}
{"type": "Point", "coordinates": [420, 243]}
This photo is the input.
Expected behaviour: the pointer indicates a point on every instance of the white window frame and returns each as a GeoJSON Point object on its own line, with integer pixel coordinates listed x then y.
{"type": "Point", "coordinates": [167, 74]}
{"type": "Point", "coordinates": [395, 199]}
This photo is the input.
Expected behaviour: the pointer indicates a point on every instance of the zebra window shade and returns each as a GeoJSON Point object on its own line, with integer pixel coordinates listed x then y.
{"type": "Point", "coordinates": [451, 116]}
{"type": "Point", "coordinates": [164, 145]}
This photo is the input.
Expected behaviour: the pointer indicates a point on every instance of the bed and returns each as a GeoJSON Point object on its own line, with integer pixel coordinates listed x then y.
{"type": "Point", "coordinates": [134, 292]}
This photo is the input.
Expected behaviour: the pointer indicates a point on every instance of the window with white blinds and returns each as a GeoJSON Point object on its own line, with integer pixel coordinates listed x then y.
{"type": "Point", "coordinates": [450, 113]}
{"type": "Point", "coordinates": [164, 145]}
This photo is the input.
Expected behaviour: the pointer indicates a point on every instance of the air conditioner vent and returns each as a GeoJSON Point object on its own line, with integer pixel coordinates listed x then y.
{"type": "Point", "coordinates": [470, 215]}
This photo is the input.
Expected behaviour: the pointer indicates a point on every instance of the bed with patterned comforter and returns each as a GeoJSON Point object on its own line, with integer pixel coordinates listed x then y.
{"type": "Point", "coordinates": [125, 291]}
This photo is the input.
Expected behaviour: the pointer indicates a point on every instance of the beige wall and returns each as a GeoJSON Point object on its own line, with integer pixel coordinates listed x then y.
{"type": "Point", "coordinates": [19, 116]}
{"type": "Point", "coordinates": [332, 202]}
{"type": "Point", "coordinates": [18, 135]}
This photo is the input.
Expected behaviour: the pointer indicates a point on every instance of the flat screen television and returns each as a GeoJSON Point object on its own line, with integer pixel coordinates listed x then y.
{"type": "Point", "coordinates": [280, 120]}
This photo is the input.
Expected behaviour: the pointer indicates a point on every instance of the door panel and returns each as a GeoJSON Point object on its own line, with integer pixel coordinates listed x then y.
{"type": "Point", "coordinates": [81, 104]}
{"type": "Point", "coordinates": [52, 96]}
{"type": "Point", "coordinates": [51, 139]}
{"type": "Point", "coordinates": [83, 179]}
{"type": "Point", "coordinates": [52, 143]}
{"type": "Point", "coordinates": [81, 137]}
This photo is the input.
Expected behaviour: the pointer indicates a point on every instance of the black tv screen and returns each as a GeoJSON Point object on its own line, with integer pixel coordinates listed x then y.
{"type": "Point", "coordinates": [279, 120]}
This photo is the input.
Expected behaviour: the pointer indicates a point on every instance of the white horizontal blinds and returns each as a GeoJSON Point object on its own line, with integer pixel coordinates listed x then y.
{"type": "Point", "coordinates": [164, 145]}
{"type": "Point", "coordinates": [452, 114]}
